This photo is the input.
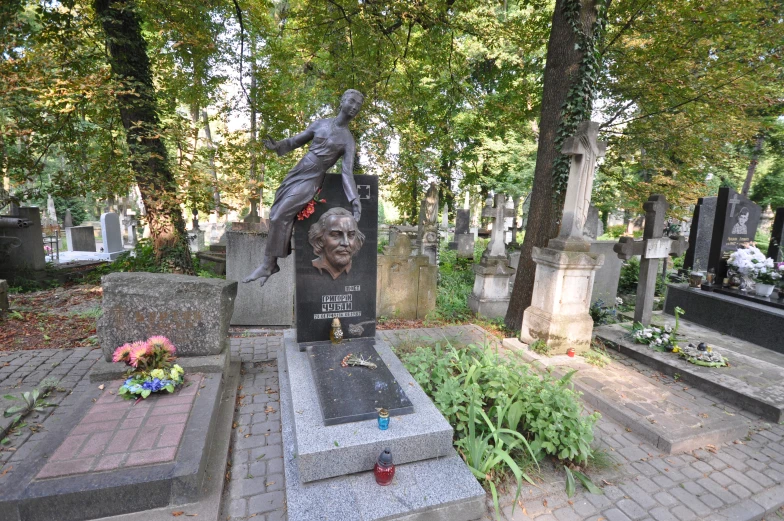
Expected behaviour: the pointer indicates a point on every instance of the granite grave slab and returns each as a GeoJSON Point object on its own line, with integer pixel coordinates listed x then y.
{"type": "Point", "coordinates": [328, 451]}
{"type": "Point", "coordinates": [700, 234]}
{"type": "Point", "coordinates": [351, 296]}
{"type": "Point", "coordinates": [354, 393]}
{"type": "Point", "coordinates": [735, 224]}
{"type": "Point", "coordinates": [80, 238]}
{"type": "Point", "coordinates": [776, 246]}
{"type": "Point", "coordinates": [439, 488]}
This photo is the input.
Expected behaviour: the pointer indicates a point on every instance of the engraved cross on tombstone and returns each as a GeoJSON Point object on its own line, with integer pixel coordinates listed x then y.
{"type": "Point", "coordinates": [652, 248]}
{"type": "Point", "coordinates": [585, 150]}
{"type": "Point", "coordinates": [497, 247]}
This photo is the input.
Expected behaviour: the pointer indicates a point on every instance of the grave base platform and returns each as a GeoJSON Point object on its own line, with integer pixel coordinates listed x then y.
{"type": "Point", "coordinates": [437, 489]}
{"type": "Point", "coordinates": [336, 450]}
{"type": "Point", "coordinates": [670, 419]}
{"type": "Point", "coordinates": [757, 322]}
{"type": "Point", "coordinates": [753, 382]}
{"type": "Point", "coordinates": [104, 371]}
{"type": "Point", "coordinates": [113, 457]}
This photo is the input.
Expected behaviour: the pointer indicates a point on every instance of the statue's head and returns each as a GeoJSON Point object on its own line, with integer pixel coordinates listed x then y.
{"type": "Point", "coordinates": [335, 238]}
{"type": "Point", "coordinates": [351, 101]}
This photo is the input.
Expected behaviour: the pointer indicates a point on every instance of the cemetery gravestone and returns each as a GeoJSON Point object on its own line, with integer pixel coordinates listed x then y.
{"type": "Point", "coordinates": [194, 312]}
{"type": "Point", "coordinates": [68, 219]}
{"type": "Point", "coordinates": [350, 294]}
{"type": "Point", "coordinates": [22, 246]}
{"type": "Point", "coordinates": [776, 246]}
{"type": "Point", "coordinates": [270, 305]}
{"type": "Point", "coordinates": [406, 283]}
{"type": "Point", "coordinates": [605, 283]}
{"type": "Point", "coordinates": [565, 270]}
{"type": "Point", "coordinates": [652, 248]}
{"type": "Point", "coordinates": [3, 297]}
{"type": "Point", "coordinates": [112, 235]}
{"type": "Point", "coordinates": [427, 230]}
{"type": "Point", "coordinates": [490, 295]}
{"type": "Point", "coordinates": [80, 238]}
{"type": "Point", "coordinates": [735, 225]}
{"type": "Point", "coordinates": [592, 223]}
{"type": "Point", "coordinates": [700, 234]}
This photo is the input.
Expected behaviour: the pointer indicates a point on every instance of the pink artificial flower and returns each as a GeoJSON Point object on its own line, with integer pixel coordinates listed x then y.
{"type": "Point", "coordinates": [161, 342]}
{"type": "Point", "coordinates": [138, 350]}
{"type": "Point", "coordinates": [121, 353]}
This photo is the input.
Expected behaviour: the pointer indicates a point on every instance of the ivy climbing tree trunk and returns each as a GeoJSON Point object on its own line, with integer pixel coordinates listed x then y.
{"type": "Point", "coordinates": [137, 100]}
{"type": "Point", "coordinates": [564, 74]}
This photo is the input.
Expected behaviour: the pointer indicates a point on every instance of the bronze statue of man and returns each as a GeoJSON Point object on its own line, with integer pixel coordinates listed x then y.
{"type": "Point", "coordinates": [331, 140]}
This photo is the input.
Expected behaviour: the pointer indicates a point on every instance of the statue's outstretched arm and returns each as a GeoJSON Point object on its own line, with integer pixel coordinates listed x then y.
{"type": "Point", "coordinates": [349, 186]}
{"type": "Point", "coordinates": [284, 146]}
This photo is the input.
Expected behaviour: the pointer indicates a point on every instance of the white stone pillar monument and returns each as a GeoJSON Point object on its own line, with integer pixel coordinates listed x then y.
{"type": "Point", "coordinates": [565, 270]}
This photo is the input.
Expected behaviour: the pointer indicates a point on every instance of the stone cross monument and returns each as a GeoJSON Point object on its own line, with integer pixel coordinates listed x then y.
{"type": "Point", "coordinates": [490, 296]}
{"type": "Point", "coordinates": [652, 248]}
{"type": "Point", "coordinates": [565, 270]}
{"type": "Point", "coordinates": [585, 150]}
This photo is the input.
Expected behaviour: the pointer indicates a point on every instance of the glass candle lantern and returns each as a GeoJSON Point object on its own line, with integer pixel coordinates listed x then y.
{"type": "Point", "coordinates": [336, 332]}
{"type": "Point", "coordinates": [384, 470]}
{"type": "Point", "coordinates": [383, 419]}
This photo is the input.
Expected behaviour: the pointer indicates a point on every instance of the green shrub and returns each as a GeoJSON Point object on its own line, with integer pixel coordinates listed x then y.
{"type": "Point", "coordinates": [540, 347]}
{"type": "Point", "coordinates": [455, 280]}
{"type": "Point", "coordinates": [615, 231]}
{"type": "Point", "coordinates": [549, 410]}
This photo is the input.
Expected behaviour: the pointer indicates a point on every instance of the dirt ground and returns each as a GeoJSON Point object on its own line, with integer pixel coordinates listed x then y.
{"type": "Point", "coordinates": [62, 317]}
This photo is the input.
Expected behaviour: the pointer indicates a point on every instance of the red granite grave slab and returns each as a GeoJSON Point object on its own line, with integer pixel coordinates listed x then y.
{"type": "Point", "coordinates": [117, 433]}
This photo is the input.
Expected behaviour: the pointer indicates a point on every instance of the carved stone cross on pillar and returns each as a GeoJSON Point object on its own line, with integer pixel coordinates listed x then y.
{"type": "Point", "coordinates": [585, 150]}
{"type": "Point", "coordinates": [497, 246]}
{"type": "Point", "coordinates": [652, 248]}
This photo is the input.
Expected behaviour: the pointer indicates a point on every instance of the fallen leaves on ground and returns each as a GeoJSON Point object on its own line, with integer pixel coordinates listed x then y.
{"type": "Point", "coordinates": [63, 317]}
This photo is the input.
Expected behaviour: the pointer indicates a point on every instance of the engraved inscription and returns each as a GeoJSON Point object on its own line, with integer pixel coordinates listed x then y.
{"type": "Point", "coordinates": [352, 288]}
{"type": "Point", "coordinates": [345, 314]}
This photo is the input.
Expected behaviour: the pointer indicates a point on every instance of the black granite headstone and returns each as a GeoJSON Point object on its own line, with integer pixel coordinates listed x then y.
{"type": "Point", "coordinates": [354, 393]}
{"type": "Point", "coordinates": [700, 234]}
{"type": "Point", "coordinates": [351, 296]}
{"type": "Point", "coordinates": [735, 224]}
{"type": "Point", "coordinates": [776, 247]}
{"type": "Point", "coordinates": [462, 219]}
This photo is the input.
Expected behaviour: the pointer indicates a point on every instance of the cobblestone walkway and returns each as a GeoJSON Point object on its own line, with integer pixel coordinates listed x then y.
{"type": "Point", "coordinates": [737, 481]}
{"type": "Point", "coordinates": [23, 370]}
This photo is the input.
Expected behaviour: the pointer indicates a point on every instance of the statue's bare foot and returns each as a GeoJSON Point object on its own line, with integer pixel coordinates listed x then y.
{"type": "Point", "coordinates": [262, 273]}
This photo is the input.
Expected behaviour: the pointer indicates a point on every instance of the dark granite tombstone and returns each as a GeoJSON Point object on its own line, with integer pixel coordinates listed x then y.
{"type": "Point", "coordinates": [462, 220]}
{"type": "Point", "coordinates": [700, 234]}
{"type": "Point", "coordinates": [351, 296]}
{"type": "Point", "coordinates": [354, 393]}
{"type": "Point", "coordinates": [735, 224]}
{"type": "Point", "coordinates": [776, 248]}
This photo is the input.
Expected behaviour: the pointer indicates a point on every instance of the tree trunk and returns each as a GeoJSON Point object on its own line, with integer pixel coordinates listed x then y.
{"type": "Point", "coordinates": [137, 101]}
{"type": "Point", "coordinates": [545, 210]}
{"type": "Point", "coordinates": [753, 164]}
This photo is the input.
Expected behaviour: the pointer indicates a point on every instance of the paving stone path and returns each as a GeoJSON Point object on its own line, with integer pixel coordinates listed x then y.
{"type": "Point", "coordinates": [24, 370]}
{"type": "Point", "coordinates": [736, 481]}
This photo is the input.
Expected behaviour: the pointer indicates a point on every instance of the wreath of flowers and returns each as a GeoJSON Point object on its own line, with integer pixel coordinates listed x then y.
{"type": "Point", "coordinates": [153, 368]}
{"type": "Point", "coordinates": [310, 207]}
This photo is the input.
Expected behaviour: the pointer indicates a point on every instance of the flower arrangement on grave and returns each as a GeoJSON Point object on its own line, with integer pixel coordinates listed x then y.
{"type": "Point", "coordinates": [310, 207]}
{"type": "Point", "coordinates": [659, 338]}
{"type": "Point", "coordinates": [752, 263]}
{"type": "Point", "coordinates": [706, 357]}
{"type": "Point", "coordinates": [152, 367]}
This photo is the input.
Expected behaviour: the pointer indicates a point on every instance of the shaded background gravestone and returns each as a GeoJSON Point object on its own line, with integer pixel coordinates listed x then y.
{"type": "Point", "coordinates": [29, 255]}
{"type": "Point", "coordinates": [80, 238]}
{"type": "Point", "coordinates": [111, 234]}
{"type": "Point", "coordinates": [406, 283]}
{"type": "Point", "coordinates": [775, 249]}
{"type": "Point", "coordinates": [270, 305]}
{"type": "Point", "coordinates": [729, 232]}
{"type": "Point", "coordinates": [700, 234]}
{"type": "Point", "coordinates": [317, 293]}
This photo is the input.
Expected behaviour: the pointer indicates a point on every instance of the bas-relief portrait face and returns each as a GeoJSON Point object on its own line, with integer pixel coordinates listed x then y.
{"type": "Point", "coordinates": [335, 238]}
